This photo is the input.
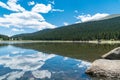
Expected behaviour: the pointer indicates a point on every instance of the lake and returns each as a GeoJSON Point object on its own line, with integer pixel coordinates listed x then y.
{"type": "Point", "coordinates": [49, 61]}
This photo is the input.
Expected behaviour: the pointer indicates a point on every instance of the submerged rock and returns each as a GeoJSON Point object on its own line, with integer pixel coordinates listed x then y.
{"type": "Point", "coordinates": [105, 68]}
{"type": "Point", "coordinates": [113, 54]}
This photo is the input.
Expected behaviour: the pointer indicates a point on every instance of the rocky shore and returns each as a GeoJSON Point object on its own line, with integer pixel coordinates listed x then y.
{"type": "Point", "coordinates": [109, 66]}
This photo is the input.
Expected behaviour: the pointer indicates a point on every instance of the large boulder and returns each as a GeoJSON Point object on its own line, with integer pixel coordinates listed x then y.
{"type": "Point", "coordinates": [105, 68]}
{"type": "Point", "coordinates": [113, 54]}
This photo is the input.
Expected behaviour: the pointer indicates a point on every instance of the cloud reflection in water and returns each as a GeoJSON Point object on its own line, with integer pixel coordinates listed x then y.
{"type": "Point", "coordinates": [36, 65]}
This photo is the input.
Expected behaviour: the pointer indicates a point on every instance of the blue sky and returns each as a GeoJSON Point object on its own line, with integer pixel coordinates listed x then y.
{"type": "Point", "coordinates": [26, 16]}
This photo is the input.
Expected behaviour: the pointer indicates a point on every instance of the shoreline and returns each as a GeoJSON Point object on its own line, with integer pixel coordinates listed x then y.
{"type": "Point", "coordinates": [59, 41]}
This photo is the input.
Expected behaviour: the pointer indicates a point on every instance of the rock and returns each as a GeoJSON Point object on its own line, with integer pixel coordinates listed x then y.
{"type": "Point", "coordinates": [108, 67]}
{"type": "Point", "coordinates": [105, 68]}
{"type": "Point", "coordinates": [113, 54]}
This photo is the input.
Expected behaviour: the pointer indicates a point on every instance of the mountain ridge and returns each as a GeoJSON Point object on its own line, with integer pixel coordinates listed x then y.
{"type": "Point", "coordinates": [92, 30]}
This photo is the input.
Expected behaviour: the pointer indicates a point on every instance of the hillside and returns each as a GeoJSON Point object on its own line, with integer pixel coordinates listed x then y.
{"type": "Point", "coordinates": [3, 37]}
{"type": "Point", "coordinates": [103, 29]}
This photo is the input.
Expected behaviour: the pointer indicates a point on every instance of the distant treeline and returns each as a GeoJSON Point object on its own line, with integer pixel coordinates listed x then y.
{"type": "Point", "coordinates": [95, 30]}
{"type": "Point", "coordinates": [3, 37]}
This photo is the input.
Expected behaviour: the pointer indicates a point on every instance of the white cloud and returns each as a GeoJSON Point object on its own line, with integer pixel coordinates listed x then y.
{"type": "Point", "coordinates": [65, 23]}
{"type": "Point", "coordinates": [4, 5]}
{"type": "Point", "coordinates": [31, 3]}
{"type": "Point", "coordinates": [41, 8]}
{"type": "Point", "coordinates": [12, 5]}
{"type": "Point", "coordinates": [25, 19]}
{"type": "Point", "coordinates": [41, 74]}
{"type": "Point", "coordinates": [17, 30]}
{"type": "Point", "coordinates": [57, 10]}
{"type": "Point", "coordinates": [88, 17]}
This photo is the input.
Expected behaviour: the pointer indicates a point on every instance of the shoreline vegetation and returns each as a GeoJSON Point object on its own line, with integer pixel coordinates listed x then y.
{"type": "Point", "coordinates": [60, 41]}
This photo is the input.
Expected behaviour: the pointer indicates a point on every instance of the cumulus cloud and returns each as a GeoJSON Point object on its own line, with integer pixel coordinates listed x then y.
{"type": "Point", "coordinates": [31, 3]}
{"type": "Point", "coordinates": [41, 8]}
{"type": "Point", "coordinates": [25, 19]}
{"type": "Point", "coordinates": [12, 5]}
{"type": "Point", "coordinates": [4, 5]}
{"type": "Point", "coordinates": [88, 17]}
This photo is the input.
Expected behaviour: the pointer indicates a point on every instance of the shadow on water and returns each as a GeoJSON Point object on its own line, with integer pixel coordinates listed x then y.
{"type": "Point", "coordinates": [88, 52]}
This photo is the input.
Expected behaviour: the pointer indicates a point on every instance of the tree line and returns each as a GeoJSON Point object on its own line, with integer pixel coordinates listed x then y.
{"type": "Point", "coordinates": [108, 29]}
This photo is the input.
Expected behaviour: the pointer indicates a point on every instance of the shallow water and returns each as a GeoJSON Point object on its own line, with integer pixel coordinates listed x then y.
{"type": "Point", "coordinates": [46, 61]}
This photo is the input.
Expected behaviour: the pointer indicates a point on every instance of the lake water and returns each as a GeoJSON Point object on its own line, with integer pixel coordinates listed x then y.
{"type": "Point", "coordinates": [49, 61]}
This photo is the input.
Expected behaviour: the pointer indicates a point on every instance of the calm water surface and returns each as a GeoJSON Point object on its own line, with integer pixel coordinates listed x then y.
{"type": "Point", "coordinates": [48, 61]}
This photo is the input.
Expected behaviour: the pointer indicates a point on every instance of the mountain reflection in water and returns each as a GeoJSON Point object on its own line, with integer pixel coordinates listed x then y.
{"type": "Point", "coordinates": [26, 64]}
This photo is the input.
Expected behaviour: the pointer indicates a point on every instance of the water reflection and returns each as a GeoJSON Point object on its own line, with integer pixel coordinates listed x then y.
{"type": "Point", "coordinates": [26, 64]}
{"type": "Point", "coordinates": [84, 51]}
